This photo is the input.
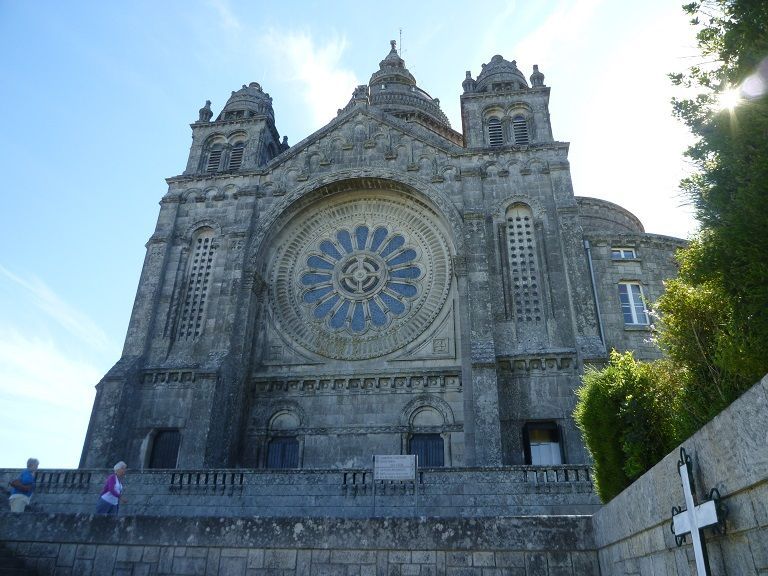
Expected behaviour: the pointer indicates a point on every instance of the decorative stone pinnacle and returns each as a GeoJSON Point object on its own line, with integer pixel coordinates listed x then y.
{"type": "Point", "coordinates": [205, 113]}
{"type": "Point", "coordinates": [537, 78]}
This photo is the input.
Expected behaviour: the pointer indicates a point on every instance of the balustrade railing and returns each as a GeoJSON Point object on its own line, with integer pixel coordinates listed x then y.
{"type": "Point", "coordinates": [350, 481]}
{"type": "Point", "coordinates": [63, 481]}
{"type": "Point", "coordinates": [213, 480]}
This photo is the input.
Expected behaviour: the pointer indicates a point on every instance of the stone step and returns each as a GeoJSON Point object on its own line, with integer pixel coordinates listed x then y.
{"type": "Point", "coordinates": [10, 565]}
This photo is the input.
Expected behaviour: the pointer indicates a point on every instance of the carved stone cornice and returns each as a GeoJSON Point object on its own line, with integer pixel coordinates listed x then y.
{"type": "Point", "coordinates": [171, 198]}
{"type": "Point", "coordinates": [156, 239]}
{"type": "Point", "coordinates": [541, 362]}
{"type": "Point", "coordinates": [173, 378]}
{"type": "Point", "coordinates": [247, 191]}
{"type": "Point", "coordinates": [473, 171]}
{"type": "Point", "coordinates": [372, 384]}
{"type": "Point", "coordinates": [208, 176]}
{"type": "Point", "coordinates": [356, 430]}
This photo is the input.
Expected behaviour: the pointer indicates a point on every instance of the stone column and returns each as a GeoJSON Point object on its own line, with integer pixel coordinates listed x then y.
{"type": "Point", "coordinates": [151, 281]}
{"type": "Point", "coordinates": [481, 397]}
{"type": "Point", "coordinates": [582, 304]}
{"type": "Point", "coordinates": [106, 436]}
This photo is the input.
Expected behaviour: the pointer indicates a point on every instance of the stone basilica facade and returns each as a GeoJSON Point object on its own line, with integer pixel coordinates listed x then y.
{"type": "Point", "coordinates": [388, 285]}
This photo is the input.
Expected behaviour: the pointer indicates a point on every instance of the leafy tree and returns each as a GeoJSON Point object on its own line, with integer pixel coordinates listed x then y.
{"type": "Point", "coordinates": [713, 319]}
{"type": "Point", "coordinates": [715, 316]}
{"type": "Point", "coordinates": [627, 413]}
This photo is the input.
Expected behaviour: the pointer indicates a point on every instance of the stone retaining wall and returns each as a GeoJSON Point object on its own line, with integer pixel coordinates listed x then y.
{"type": "Point", "coordinates": [83, 545]}
{"type": "Point", "coordinates": [631, 533]}
{"type": "Point", "coordinates": [730, 453]}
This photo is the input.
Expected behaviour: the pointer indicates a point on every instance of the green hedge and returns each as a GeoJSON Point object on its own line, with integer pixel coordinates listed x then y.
{"type": "Point", "coordinates": [628, 414]}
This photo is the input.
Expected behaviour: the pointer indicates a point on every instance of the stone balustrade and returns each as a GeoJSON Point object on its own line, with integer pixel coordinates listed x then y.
{"type": "Point", "coordinates": [352, 493]}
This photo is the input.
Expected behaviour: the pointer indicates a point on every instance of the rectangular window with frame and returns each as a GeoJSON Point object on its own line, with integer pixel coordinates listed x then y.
{"type": "Point", "coordinates": [623, 254]}
{"type": "Point", "coordinates": [541, 444]}
{"type": "Point", "coordinates": [632, 303]}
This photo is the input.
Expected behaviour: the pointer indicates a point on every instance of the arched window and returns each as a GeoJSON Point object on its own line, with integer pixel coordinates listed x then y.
{"type": "Point", "coordinates": [165, 449]}
{"type": "Point", "coordinates": [199, 272]}
{"type": "Point", "coordinates": [520, 130]}
{"type": "Point", "coordinates": [523, 264]}
{"type": "Point", "coordinates": [214, 157]}
{"type": "Point", "coordinates": [283, 445]}
{"type": "Point", "coordinates": [426, 439]}
{"type": "Point", "coordinates": [495, 134]}
{"type": "Point", "coordinates": [236, 156]}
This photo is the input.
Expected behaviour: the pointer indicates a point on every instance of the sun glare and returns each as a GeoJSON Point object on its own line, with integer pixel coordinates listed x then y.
{"type": "Point", "coordinates": [730, 99]}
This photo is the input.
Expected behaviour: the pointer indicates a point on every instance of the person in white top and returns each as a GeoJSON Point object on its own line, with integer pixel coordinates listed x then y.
{"type": "Point", "coordinates": [111, 495]}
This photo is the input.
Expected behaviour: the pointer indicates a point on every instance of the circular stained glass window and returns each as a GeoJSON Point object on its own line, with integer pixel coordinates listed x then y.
{"type": "Point", "coordinates": [360, 278]}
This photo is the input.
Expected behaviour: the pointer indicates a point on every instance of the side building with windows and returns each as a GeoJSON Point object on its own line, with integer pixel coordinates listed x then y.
{"type": "Point", "coordinates": [388, 285]}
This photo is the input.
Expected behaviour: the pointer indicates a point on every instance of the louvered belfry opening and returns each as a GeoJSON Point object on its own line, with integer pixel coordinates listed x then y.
{"type": "Point", "coordinates": [495, 134]}
{"type": "Point", "coordinates": [520, 130]}
{"type": "Point", "coordinates": [236, 156]}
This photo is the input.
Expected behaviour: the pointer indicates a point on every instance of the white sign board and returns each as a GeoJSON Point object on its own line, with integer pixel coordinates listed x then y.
{"type": "Point", "coordinates": [391, 467]}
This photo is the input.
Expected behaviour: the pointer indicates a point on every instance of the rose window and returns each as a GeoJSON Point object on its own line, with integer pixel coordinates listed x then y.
{"type": "Point", "coordinates": [361, 279]}
{"type": "Point", "coordinates": [359, 275]}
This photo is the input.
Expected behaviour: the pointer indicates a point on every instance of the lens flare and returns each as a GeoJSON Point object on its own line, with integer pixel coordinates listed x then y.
{"type": "Point", "coordinates": [729, 99]}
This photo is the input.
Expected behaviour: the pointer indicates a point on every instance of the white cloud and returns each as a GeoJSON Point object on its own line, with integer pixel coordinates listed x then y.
{"type": "Point", "coordinates": [564, 27]}
{"type": "Point", "coordinates": [227, 18]}
{"type": "Point", "coordinates": [36, 369]}
{"type": "Point", "coordinates": [72, 320]}
{"type": "Point", "coordinates": [325, 85]}
{"type": "Point", "coordinates": [629, 148]}
{"type": "Point", "coordinates": [45, 401]}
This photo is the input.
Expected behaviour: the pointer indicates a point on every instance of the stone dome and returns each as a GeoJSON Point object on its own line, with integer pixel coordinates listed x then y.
{"type": "Point", "coordinates": [500, 74]}
{"type": "Point", "coordinates": [247, 102]}
{"type": "Point", "coordinates": [393, 89]}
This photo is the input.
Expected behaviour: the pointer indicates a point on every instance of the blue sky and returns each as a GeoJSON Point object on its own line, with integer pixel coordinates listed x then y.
{"type": "Point", "coordinates": [98, 98]}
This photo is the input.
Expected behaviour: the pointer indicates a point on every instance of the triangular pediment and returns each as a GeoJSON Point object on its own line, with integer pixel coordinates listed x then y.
{"type": "Point", "coordinates": [375, 121]}
{"type": "Point", "coordinates": [359, 138]}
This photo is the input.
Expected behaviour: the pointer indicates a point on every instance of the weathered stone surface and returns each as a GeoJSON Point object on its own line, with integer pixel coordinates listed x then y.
{"type": "Point", "coordinates": [471, 287]}
{"type": "Point", "coordinates": [442, 492]}
{"type": "Point", "coordinates": [231, 547]}
{"type": "Point", "coordinates": [384, 279]}
{"type": "Point", "coordinates": [632, 531]}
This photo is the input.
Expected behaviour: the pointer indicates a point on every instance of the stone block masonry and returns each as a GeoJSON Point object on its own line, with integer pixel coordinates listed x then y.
{"type": "Point", "coordinates": [442, 492]}
{"type": "Point", "coordinates": [729, 453]}
{"type": "Point", "coordinates": [629, 536]}
{"type": "Point", "coordinates": [85, 545]}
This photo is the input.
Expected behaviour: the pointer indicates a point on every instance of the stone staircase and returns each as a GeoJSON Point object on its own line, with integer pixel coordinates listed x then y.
{"type": "Point", "coordinates": [10, 565]}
